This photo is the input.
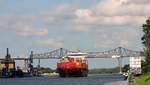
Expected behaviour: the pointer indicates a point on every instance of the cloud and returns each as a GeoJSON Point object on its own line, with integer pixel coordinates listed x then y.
{"type": "Point", "coordinates": [110, 13]}
{"type": "Point", "coordinates": [83, 13]}
{"type": "Point", "coordinates": [79, 28]}
{"type": "Point", "coordinates": [104, 44]}
{"type": "Point", "coordinates": [130, 38]}
{"type": "Point", "coordinates": [52, 42]}
{"type": "Point", "coordinates": [7, 23]}
{"type": "Point", "coordinates": [22, 26]}
{"type": "Point", "coordinates": [57, 10]}
{"type": "Point", "coordinates": [122, 20]}
{"type": "Point", "coordinates": [102, 16]}
{"type": "Point", "coordinates": [139, 1]}
{"type": "Point", "coordinates": [57, 14]}
{"type": "Point", "coordinates": [104, 13]}
{"type": "Point", "coordinates": [84, 16]}
{"type": "Point", "coordinates": [30, 32]}
{"type": "Point", "coordinates": [120, 8]}
{"type": "Point", "coordinates": [26, 30]}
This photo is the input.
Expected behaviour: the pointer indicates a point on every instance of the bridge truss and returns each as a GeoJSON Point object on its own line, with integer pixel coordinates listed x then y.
{"type": "Point", "coordinates": [59, 53]}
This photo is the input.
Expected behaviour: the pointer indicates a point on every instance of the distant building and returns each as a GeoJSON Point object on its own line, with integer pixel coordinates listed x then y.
{"type": "Point", "coordinates": [135, 65]}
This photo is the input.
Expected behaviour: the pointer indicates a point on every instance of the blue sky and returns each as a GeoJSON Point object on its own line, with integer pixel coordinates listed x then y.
{"type": "Point", "coordinates": [89, 25]}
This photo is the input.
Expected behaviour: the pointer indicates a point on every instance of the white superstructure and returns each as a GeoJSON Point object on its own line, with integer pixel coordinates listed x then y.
{"type": "Point", "coordinates": [77, 55]}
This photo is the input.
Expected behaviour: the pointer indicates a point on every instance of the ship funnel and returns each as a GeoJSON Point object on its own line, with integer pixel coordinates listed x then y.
{"type": "Point", "coordinates": [8, 55]}
{"type": "Point", "coordinates": [7, 51]}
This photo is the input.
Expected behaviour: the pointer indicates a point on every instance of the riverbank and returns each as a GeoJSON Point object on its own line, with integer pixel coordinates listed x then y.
{"type": "Point", "coordinates": [143, 79]}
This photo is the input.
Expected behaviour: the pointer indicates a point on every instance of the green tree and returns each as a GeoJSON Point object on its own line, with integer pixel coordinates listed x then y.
{"type": "Point", "coordinates": [143, 65]}
{"type": "Point", "coordinates": [146, 42]}
{"type": "Point", "coordinates": [126, 68]}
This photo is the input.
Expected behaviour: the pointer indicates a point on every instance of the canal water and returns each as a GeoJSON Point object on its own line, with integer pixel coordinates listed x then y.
{"type": "Point", "coordinates": [90, 80]}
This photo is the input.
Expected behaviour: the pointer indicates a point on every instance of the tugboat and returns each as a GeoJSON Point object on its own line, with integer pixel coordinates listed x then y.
{"type": "Point", "coordinates": [8, 69]}
{"type": "Point", "coordinates": [8, 66]}
{"type": "Point", "coordinates": [74, 64]}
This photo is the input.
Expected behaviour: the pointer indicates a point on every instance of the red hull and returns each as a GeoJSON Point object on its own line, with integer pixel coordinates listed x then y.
{"type": "Point", "coordinates": [66, 69]}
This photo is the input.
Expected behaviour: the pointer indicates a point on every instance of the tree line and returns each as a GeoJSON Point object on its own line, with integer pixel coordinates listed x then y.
{"type": "Point", "coordinates": [146, 42]}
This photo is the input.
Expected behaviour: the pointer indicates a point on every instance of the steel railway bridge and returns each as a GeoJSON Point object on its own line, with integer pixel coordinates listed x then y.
{"type": "Point", "coordinates": [59, 53]}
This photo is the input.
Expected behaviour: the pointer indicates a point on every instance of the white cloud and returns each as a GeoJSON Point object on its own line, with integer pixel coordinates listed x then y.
{"type": "Point", "coordinates": [26, 30]}
{"type": "Point", "coordinates": [84, 16]}
{"type": "Point", "coordinates": [103, 13]}
{"type": "Point", "coordinates": [139, 1]}
{"type": "Point", "coordinates": [31, 32]}
{"type": "Point", "coordinates": [59, 11]}
{"type": "Point", "coordinates": [7, 23]}
{"type": "Point", "coordinates": [120, 8]}
{"type": "Point", "coordinates": [122, 20]}
{"type": "Point", "coordinates": [79, 28]}
{"type": "Point", "coordinates": [130, 38]}
{"type": "Point", "coordinates": [22, 26]}
{"type": "Point", "coordinates": [83, 13]}
{"type": "Point", "coordinates": [109, 14]}
{"type": "Point", "coordinates": [103, 44]}
{"type": "Point", "coordinates": [52, 42]}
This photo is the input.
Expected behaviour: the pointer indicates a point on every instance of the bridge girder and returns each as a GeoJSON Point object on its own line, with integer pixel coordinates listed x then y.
{"type": "Point", "coordinates": [56, 54]}
{"type": "Point", "coordinates": [120, 51]}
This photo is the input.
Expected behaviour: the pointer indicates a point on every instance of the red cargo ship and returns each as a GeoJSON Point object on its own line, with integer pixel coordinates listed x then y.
{"type": "Point", "coordinates": [74, 64]}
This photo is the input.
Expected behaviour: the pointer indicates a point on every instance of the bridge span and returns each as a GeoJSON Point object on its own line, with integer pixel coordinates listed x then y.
{"type": "Point", "coordinates": [59, 53]}
{"type": "Point", "coordinates": [118, 53]}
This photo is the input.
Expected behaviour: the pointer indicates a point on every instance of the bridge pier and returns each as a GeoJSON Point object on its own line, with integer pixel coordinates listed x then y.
{"type": "Point", "coordinates": [26, 65]}
{"type": "Point", "coordinates": [39, 66]}
{"type": "Point", "coordinates": [30, 63]}
{"type": "Point", "coordinates": [120, 64]}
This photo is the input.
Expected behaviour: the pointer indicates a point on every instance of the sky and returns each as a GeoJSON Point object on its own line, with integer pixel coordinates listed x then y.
{"type": "Point", "coordinates": [88, 25]}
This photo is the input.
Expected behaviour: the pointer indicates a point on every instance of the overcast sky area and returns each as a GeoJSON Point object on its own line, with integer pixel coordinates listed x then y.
{"type": "Point", "coordinates": [88, 25]}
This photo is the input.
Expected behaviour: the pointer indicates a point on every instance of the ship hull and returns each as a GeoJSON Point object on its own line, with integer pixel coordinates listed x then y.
{"type": "Point", "coordinates": [76, 72]}
{"type": "Point", "coordinates": [73, 65]}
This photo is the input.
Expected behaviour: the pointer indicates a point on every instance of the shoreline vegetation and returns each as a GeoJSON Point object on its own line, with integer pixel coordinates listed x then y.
{"type": "Point", "coordinates": [143, 79]}
{"type": "Point", "coordinates": [104, 70]}
{"type": "Point", "coordinates": [91, 71]}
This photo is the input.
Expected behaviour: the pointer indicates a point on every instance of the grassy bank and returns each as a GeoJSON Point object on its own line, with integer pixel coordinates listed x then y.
{"type": "Point", "coordinates": [104, 71]}
{"type": "Point", "coordinates": [141, 80]}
